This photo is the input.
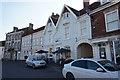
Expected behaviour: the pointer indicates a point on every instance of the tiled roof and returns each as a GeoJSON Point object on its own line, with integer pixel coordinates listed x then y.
{"type": "Point", "coordinates": [91, 7]}
{"type": "Point", "coordinates": [39, 29]}
{"type": "Point", "coordinates": [55, 18]}
{"type": "Point", "coordinates": [2, 43]}
{"type": "Point", "coordinates": [23, 29]}
{"type": "Point", "coordinates": [83, 11]}
{"type": "Point", "coordinates": [76, 12]}
{"type": "Point", "coordinates": [28, 32]}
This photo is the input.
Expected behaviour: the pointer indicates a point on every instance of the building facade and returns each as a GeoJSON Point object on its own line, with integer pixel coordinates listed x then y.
{"type": "Point", "coordinates": [106, 31]}
{"type": "Point", "coordinates": [2, 49]}
{"type": "Point", "coordinates": [49, 31]}
{"type": "Point", "coordinates": [13, 43]}
{"type": "Point", "coordinates": [37, 38]}
{"type": "Point", "coordinates": [32, 41]}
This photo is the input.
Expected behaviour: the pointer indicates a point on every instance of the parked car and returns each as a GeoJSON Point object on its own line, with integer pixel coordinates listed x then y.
{"type": "Point", "coordinates": [66, 62]}
{"type": "Point", "coordinates": [90, 68]}
{"type": "Point", "coordinates": [35, 61]}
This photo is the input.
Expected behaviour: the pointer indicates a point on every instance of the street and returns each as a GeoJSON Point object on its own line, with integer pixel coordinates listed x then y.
{"type": "Point", "coordinates": [18, 70]}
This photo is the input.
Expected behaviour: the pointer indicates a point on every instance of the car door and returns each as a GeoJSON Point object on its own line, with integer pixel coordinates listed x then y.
{"type": "Point", "coordinates": [30, 62]}
{"type": "Point", "coordinates": [78, 68]}
{"type": "Point", "coordinates": [93, 73]}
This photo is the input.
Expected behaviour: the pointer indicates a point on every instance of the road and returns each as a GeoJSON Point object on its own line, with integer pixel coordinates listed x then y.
{"type": "Point", "coordinates": [18, 70]}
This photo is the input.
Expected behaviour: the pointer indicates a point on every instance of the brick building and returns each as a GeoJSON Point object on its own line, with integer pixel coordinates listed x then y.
{"type": "Point", "coordinates": [105, 24]}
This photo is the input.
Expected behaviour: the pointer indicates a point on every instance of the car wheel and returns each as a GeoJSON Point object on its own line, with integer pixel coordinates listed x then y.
{"type": "Point", "coordinates": [69, 76]}
{"type": "Point", "coordinates": [34, 66]}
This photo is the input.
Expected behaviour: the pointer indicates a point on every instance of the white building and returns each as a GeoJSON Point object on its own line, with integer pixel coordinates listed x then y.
{"type": "Point", "coordinates": [32, 41]}
{"type": "Point", "coordinates": [26, 46]}
{"type": "Point", "coordinates": [73, 31]}
{"type": "Point", "coordinates": [37, 39]}
{"type": "Point", "coordinates": [49, 31]}
{"type": "Point", "coordinates": [2, 49]}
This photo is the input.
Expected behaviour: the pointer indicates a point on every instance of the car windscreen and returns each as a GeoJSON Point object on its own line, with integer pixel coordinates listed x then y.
{"type": "Point", "coordinates": [109, 65]}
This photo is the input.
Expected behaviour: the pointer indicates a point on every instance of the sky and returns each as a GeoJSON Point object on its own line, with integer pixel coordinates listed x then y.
{"type": "Point", "coordinates": [20, 13]}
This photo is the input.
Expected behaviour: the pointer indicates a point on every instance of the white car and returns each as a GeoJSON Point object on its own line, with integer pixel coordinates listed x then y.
{"type": "Point", "coordinates": [34, 62]}
{"type": "Point", "coordinates": [90, 68]}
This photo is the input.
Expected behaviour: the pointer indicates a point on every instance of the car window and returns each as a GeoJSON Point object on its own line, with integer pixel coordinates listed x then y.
{"type": "Point", "coordinates": [80, 63]}
{"type": "Point", "coordinates": [30, 58]}
{"type": "Point", "coordinates": [68, 61]}
{"type": "Point", "coordinates": [92, 65]}
{"type": "Point", "coordinates": [109, 65]}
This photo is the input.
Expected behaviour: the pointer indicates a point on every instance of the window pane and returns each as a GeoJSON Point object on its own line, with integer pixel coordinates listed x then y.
{"type": "Point", "coordinates": [81, 64]}
{"type": "Point", "coordinates": [84, 31]}
{"type": "Point", "coordinates": [92, 65]}
{"type": "Point", "coordinates": [113, 26]}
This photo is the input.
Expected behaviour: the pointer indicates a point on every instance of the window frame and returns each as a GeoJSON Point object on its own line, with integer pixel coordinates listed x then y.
{"type": "Point", "coordinates": [92, 62]}
{"type": "Point", "coordinates": [66, 34]}
{"type": "Point", "coordinates": [83, 28]}
{"type": "Point", "coordinates": [79, 66]}
{"type": "Point", "coordinates": [106, 22]}
{"type": "Point", "coordinates": [66, 15]}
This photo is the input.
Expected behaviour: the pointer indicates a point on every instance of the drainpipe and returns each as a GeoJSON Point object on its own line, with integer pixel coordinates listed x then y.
{"type": "Point", "coordinates": [114, 52]}
{"type": "Point", "coordinates": [31, 42]}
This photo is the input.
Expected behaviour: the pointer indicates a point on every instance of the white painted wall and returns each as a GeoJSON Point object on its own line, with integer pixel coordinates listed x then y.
{"type": "Point", "coordinates": [49, 29]}
{"type": "Point", "coordinates": [1, 52]}
{"type": "Point", "coordinates": [37, 45]}
{"type": "Point", "coordinates": [25, 49]}
{"type": "Point", "coordinates": [71, 21]}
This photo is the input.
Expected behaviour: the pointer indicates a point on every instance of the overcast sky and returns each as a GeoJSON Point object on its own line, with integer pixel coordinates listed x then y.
{"type": "Point", "coordinates": [20, 13]}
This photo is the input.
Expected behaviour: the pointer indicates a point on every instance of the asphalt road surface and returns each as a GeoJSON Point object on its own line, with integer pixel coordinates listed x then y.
{"type": "Point", "coordinates": [17, 70]}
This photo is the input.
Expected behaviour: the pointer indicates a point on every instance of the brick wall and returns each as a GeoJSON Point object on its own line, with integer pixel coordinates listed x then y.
{"type": "Point", "coordinates": [99, 27]}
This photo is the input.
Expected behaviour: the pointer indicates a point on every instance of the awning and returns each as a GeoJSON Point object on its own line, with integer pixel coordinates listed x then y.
{"type": "Point", "coordinates": [62, 50]}
{"type": "Point", "coordinates": [42, 51]}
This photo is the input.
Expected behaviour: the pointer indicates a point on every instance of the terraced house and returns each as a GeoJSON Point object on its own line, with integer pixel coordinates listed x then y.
{"type": "Point", "coordinates": [106, 30]}
{"type": "Point", "coordinates": [89, 32]}
{"type": "Point", "coordinates": [32, 41]}
{"type": "Point", "coordinates": [13, 43]}
{"type": "Point", "coordinates": [49, 31]}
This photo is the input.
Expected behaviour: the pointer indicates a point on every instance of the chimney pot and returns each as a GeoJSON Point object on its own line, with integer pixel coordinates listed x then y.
{"type": "Point", "coordinates": [31, 25]}
{"type": "Point", "coordinates": [15, 28]}
{"type": "Point", "coordinates": [52, 13]}
{"type": "Point", "coordinates": [85, 3]}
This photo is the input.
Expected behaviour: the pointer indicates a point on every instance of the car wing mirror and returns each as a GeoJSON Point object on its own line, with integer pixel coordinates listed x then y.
{"type": "Point", "coordinates": [99, 70]}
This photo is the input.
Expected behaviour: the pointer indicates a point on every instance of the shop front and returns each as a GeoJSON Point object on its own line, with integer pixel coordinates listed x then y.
{"type": "Point", "coordinates": [107, 49]}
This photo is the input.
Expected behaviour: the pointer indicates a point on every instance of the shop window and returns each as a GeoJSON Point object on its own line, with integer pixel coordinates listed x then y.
{"type": "Point", "coordinates": [50, 50]}
{"type": "Point", "coordinates": [117, 51]}
{"type": "Point", "coordinates": [67, 54]}
{"type": "Point", "coordinates": [102, 51]}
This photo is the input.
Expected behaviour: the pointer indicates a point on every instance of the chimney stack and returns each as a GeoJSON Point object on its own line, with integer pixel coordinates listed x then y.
{"type": "Point", "coordinates": [52, 13]}
{"type": "Point", "coordinates": [15, 28]}
{"type": "Point", "coordinates": [31, 25]}
{"type": "Point", "coordinates": [85, 3]}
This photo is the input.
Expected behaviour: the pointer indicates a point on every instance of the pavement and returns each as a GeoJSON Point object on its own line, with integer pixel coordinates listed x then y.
{"type": "Point", "coordinates": [15, 70]}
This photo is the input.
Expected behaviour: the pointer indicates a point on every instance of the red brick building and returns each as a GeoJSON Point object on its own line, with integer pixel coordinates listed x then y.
{"type": "Point", "coordinates": [105, 22]}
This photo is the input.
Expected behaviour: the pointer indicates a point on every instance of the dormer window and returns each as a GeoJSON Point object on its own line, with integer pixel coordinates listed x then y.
{"type": "Point", "coordinates": [105, 1]}
{"type": "Point", "coordinates": [49, 24]}
{"type": "Point", "coordinates": [66, 15]}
